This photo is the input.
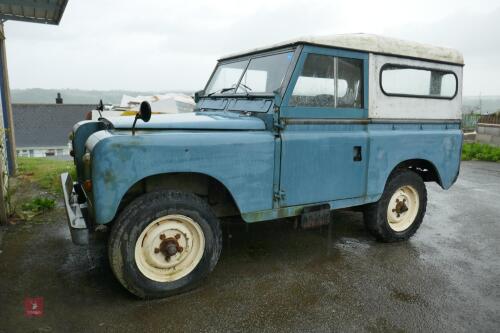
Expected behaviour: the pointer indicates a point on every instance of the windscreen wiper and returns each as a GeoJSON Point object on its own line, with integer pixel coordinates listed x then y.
{"type": "Point", "coordinates": [247, 88]}
{"type": "Point", "coordinates": [223, 90]}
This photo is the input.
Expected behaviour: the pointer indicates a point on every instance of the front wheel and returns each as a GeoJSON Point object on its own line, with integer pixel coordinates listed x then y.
{"type": "Point", "coordinates": [401, 209]}
{"type": "Point", "coordinates": [164, 243]}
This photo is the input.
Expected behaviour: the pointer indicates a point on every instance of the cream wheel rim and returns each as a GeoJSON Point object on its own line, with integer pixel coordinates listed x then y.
{"type": "Point", "coordinates": [403, 208]}
{"type": "Point", "coordinates": [169, 248]}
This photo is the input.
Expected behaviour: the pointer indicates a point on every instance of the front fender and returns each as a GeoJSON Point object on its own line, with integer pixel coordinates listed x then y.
{"type": "Point", "coordinates": [243, 161]}
{"type": "Point", "coordinates": [81, 132]}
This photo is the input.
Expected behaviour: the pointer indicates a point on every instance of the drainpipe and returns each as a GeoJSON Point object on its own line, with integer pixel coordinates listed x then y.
{"type": "Point", "coordinates": [3, 194]}
{"type": "Point", "coordinates": [8, 119]}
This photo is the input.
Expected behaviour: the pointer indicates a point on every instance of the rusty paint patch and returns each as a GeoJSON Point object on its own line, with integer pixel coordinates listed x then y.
{"type": "Point", "coordinates": [109, 177]}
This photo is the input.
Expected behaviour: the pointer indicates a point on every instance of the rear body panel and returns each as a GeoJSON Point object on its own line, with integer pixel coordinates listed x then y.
{"type": "Point", "coordinates": [324, 170]}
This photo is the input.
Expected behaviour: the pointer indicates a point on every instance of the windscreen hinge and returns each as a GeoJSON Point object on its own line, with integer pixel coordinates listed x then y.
{"type": "Point", "coordinates": [278, 125]}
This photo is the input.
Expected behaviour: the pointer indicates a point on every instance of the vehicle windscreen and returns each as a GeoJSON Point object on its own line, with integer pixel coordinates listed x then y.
{"type": "Point", "coordinates": [262, 74]}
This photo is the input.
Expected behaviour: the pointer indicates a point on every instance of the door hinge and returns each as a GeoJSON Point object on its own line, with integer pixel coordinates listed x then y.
{"type": "Point", "coordinates": [279, 195]}
{"type": "Point", "coordinates": [277, 126]}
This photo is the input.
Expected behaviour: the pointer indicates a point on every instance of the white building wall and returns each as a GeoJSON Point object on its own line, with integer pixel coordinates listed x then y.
{"type": "Point", "coordinates": [43, 151]}
{"type": "Point", "coordinates": [392, 107]}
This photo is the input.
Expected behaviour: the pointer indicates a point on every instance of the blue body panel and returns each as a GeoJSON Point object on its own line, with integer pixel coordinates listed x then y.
{"type": "Point", "coordinates": [387, 146]}
{"type": "Point", "coordinates": [390, 144]}
{"type": "Point", "coordinates": [317, 163]}
{"type": "Point", "coordinates": [242, 161]}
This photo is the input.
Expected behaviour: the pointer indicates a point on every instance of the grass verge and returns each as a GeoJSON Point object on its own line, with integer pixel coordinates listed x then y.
{"type": "Point", "coordinates": [480, 152]}
{"type": "Point", "coordinates": [36, 189]}
{"type": "Point", "coordinates": [45, 172]}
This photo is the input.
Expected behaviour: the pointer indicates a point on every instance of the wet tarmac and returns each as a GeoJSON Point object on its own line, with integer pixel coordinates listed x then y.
{"type": "Point", "coordinates": [272, 277]}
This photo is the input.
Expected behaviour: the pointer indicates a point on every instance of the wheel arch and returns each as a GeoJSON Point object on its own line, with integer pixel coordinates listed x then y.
{"type": "Point", "coordinates": [425, 168]}
{"type": "Point", "coordinates": [214, 191]}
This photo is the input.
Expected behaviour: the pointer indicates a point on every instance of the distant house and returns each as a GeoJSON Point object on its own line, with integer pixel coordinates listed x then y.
{"type": "Point", "coordinates": [42, 129]}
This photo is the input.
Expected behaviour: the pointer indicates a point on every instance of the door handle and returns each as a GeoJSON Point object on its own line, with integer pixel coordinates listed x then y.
{"type": "Point", "coordinates": [356, 154]}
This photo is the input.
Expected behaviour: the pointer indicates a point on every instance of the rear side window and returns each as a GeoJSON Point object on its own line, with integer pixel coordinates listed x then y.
{"type": "Point", "coordinates": [329, 82]}
{"type": "Point", "coordinates": [397, 80]}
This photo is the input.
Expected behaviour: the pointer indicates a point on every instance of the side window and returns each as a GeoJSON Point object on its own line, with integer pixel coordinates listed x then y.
{"type": "Point", "coordinates": [327, 81]}
{"type": "Point", "coordinates": [419, 82]}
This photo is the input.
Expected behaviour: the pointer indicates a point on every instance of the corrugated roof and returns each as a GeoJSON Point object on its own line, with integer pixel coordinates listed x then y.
{"type": "Point", "coordinates": [37, 11]}
{"type": "Point", "coordinates": [371, 43]}
{"type": "Point", "coordinates": [46, 125]}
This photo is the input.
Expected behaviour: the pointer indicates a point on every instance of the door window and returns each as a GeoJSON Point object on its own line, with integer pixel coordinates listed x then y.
{"type": "Point", "coordinates": [350, 90]}
{"type": "Point", "coordinates": [329, 82]}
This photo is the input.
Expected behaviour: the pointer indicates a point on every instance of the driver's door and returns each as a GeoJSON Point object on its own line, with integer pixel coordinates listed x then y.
{"type": "Point", "coordinates": [324, 139]}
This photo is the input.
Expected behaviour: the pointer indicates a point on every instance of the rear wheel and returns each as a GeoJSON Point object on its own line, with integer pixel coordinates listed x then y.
{"type": "Point", "coordinates": [401, 209]}
{"type": "Point", "coordinates": [164, 243]}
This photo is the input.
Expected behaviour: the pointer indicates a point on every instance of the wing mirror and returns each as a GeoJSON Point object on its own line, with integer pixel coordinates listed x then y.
{"type": "Point", "coordinates": [144, 114]}
{"type": "Point", "coordinates": [99, 108]}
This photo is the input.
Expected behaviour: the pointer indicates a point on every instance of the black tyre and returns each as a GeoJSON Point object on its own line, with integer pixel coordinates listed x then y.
{"type": "Point", "coordinates": [164, 243]}
{"type": "Point", "coordinates": [401, 209]}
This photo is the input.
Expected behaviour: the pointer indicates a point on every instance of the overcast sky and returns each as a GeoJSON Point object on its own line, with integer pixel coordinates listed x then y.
{"type": "Point", "coordinates": [174, 45]}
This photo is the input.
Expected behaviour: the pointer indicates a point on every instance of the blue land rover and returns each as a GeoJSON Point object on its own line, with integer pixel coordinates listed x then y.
{"type": "Point", "coordinates": [296, 129]}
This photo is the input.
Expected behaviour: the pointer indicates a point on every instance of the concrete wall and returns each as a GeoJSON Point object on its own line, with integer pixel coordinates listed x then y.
{"type": "Point", "coordinates": [488, 133]}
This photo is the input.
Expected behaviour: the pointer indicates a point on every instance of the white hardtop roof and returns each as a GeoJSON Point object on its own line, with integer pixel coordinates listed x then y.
{"type": "Point", "coordinates": [373, 44]}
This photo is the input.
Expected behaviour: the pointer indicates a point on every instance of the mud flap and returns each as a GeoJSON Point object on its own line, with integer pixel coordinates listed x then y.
{"type": "Point", "coordinates": [316, 216]}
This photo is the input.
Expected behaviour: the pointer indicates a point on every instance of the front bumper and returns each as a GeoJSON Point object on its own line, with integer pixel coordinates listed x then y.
{"type": "Point", "coordinates": [76, 210]}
